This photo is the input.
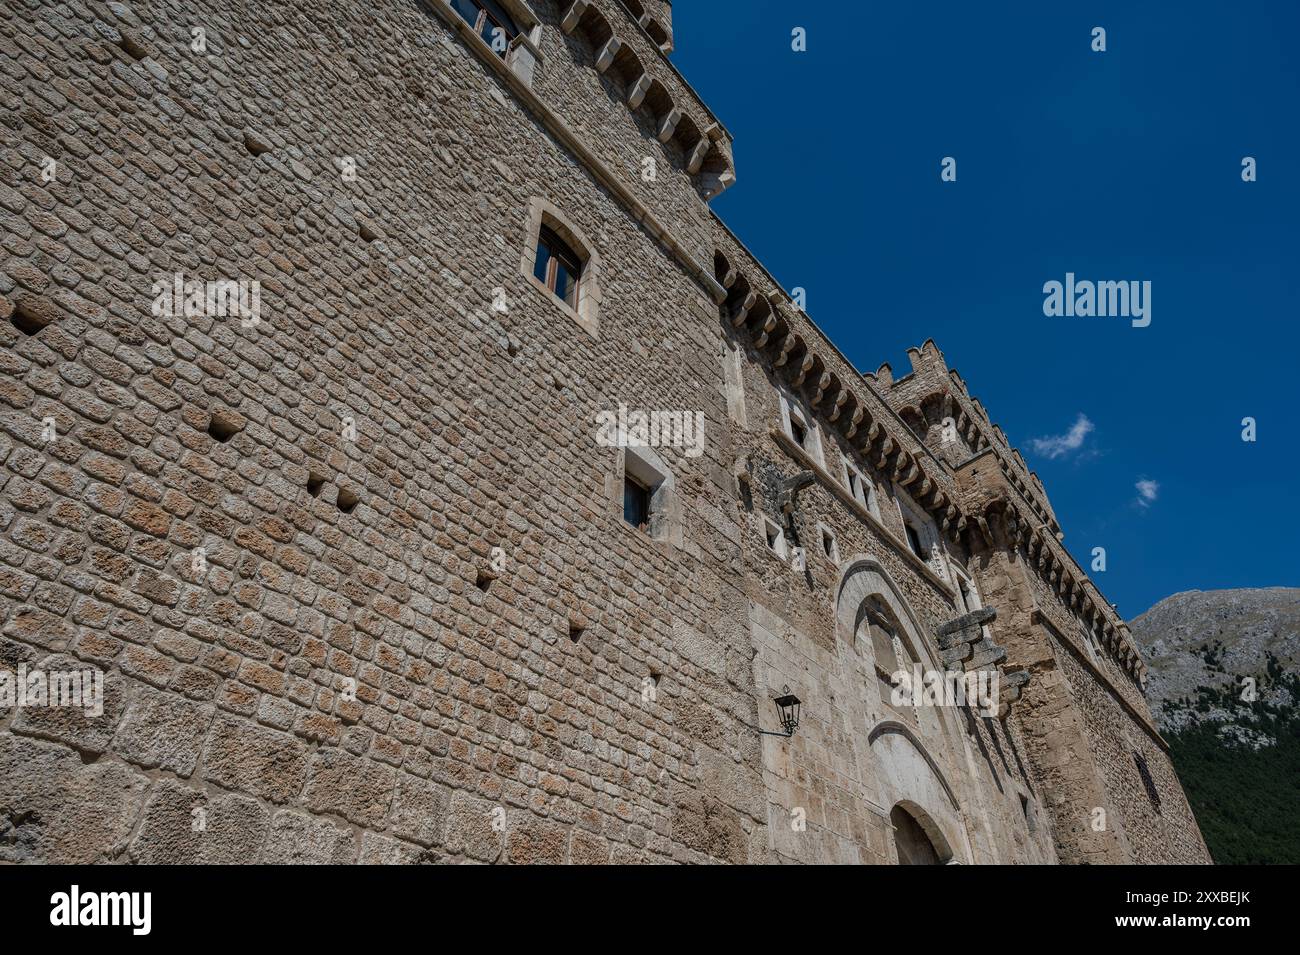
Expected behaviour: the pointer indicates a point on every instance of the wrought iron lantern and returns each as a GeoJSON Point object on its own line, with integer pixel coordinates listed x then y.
{"type": "Point", "coordinates": [787, 705]}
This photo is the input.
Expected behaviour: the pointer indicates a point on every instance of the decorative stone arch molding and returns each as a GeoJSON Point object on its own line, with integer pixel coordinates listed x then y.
{"type": "Point", "coordinates": [862, 577]}
{"type": "Point", "coordinates": [544, 213]}
{"type": "Point", "coordinates": [910, 777]}
{"type": "Point", "coordinates": [903, 766]}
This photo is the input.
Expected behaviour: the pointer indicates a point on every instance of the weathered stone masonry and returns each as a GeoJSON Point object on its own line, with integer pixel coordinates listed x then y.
{"type": "Point", "coordinates": [357, 573]}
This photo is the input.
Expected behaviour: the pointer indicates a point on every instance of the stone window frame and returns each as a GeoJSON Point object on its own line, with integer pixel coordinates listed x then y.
{"type": "Point", "coordinates": [646, 467]}
{"type": "Point", "coordinates": [524, 51]}
{"type": "Point", "coordinates": [778, 545]}
{"type": "Point", "coordinates": [867, 495]}
{"type": "Point", "coordinates": [791, 409]}
{"type": "Point", "coordinates": [541, 212]}
{"type": "Point", "coordinates": [927, 532]}
{"type": "Point", "coordinates": [824, 533]}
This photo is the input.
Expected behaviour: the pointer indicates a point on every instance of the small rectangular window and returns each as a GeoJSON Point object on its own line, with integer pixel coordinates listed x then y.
{"type": "Point", "coordinates": [775, 537]}
{"type": "Point", "coordinates": [557, 267]}
{"type": "Point", "coordinates": [636, 503]}
{"type": "Point", "coordinates": [802, 430]}
{"type": "Point", "coordinates": [1147, 781]}
{"type": "Point", "coordinates": [490, 21]}
{"type": "Point", "coordinates": [828, 545]}
{"type": "Point", "coordinates": [859, 488]}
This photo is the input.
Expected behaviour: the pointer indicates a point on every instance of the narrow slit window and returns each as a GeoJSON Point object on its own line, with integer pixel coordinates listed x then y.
{"type": "Point", "coordinates": [914, 542]}
{"type": "Point", "coordinates": [1148, 782]}
{"type": "Point", "coordinates": [558, 267]}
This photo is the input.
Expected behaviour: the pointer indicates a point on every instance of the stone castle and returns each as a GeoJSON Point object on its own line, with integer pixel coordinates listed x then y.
{"type": "Point", "coordinates": [431, 476]}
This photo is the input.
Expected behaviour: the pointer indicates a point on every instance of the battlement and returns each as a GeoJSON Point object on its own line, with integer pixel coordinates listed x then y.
{"type": "Point", "coordinates": [932, 394]}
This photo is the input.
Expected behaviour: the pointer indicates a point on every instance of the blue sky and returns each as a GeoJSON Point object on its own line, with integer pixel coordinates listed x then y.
{"type": "Point", "coordinates": [1122, 165]}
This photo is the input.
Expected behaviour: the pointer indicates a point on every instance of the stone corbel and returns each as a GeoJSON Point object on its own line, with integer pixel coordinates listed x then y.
{"type": "Point", "coordinates": [805, 366]}
{"type": "Point", "coordinates": [900, 464]}
{"type": "Point", "coordinates": [695, 161]}
{"type": "Point", "coordinates": [741, 311]}
{"type": "Point", "coordinates": [787, 346]}
{"type": "Point", "coordinates": [636, 95]}
{"type": "Point", "coordinates": [571, 19]}
{"type": "Point", "coordinates": [854, 420]}
{"type": "Point", "coordinates": [605, 57]}
{"type": "Point", "coordinates": [837, 408]}
{"type": "Point", "coordinates": [668, 125]}
{"type": "Point", "coordinates": [823, 383]}
{"type": "Point", "coordinates": [886, 450]}
{"type": "Point", "coordinates": [769, 323]}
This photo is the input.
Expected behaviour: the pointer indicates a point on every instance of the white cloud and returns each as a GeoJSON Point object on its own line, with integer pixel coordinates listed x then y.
{"type": "Point", "coordinates": [1147, 492]}
{"type": "Point", "coordinates": [1059, 445]}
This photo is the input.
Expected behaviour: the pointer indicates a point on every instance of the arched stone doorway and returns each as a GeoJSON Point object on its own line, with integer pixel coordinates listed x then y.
{"type": "Point", "coordinates": [911, 841]}
{"type": "Point", "coordinates": [913, 751]}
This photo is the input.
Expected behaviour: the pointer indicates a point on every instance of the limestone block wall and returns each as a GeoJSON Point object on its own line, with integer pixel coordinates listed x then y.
{"type": "Point", "coordinates": [498, 714]}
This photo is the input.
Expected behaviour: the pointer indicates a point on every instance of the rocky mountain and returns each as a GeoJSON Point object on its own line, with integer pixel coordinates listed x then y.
{"type": "Point", "coordinates": [1224, 687]}
{"type": "Point", "coordinates": [1217, 640]}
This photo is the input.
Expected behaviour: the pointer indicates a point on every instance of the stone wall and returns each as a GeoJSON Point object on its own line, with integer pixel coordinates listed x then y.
{"type": "Point", "coordinates": [357, 574]}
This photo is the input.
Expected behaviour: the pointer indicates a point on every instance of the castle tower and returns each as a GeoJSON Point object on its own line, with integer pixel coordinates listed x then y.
{"type": "Point", "coordinates": [430, 475]}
